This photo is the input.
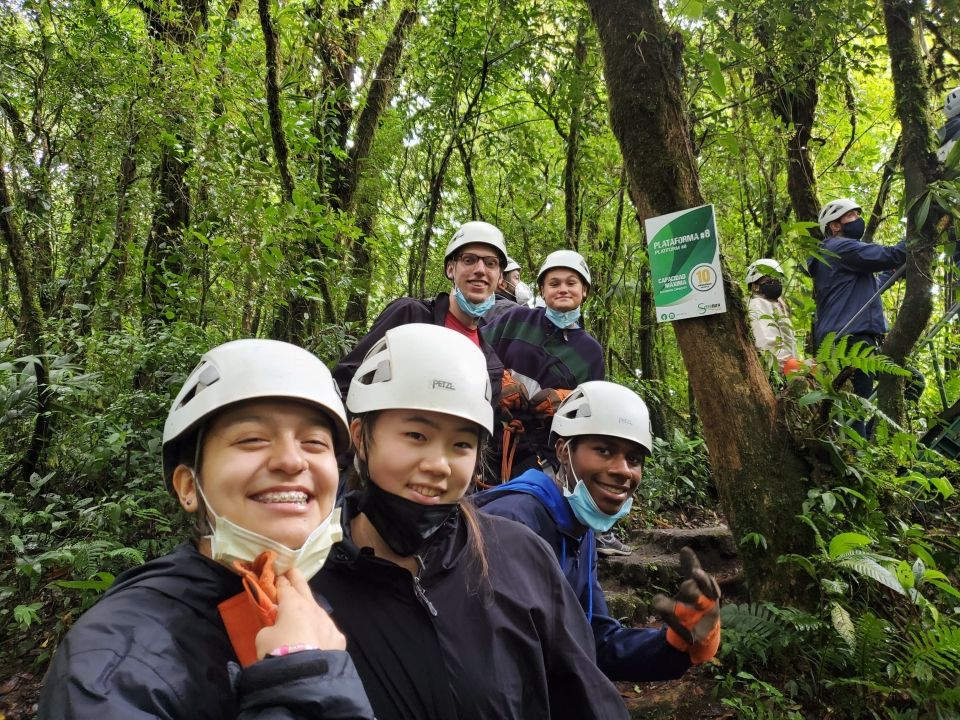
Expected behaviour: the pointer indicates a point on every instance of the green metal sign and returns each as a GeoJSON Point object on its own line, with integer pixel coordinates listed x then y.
{"type": "Point", "coordinates": [685, 264]}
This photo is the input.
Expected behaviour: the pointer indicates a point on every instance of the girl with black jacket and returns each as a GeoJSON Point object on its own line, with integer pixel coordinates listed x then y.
{"type": "Point", "coordinates": [447, 613]}
{"type": "Point", "coordinates": [250, 447]}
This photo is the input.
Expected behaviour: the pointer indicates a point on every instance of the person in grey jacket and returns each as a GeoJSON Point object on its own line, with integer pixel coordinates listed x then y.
{"type": "Point", "coordinates": [228, 627]}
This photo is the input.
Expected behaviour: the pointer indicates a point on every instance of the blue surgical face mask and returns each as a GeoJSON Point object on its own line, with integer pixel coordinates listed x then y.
{"type": "Point", "coordinates": [476, 310]}
{"type": "Point", "coordinates": [563, 319]}
{"type": "Point", "coordinates": [854, 229]}
{"type": "Point", "coordinates": [587, 512]}
{"type": "Point", "coordinates": [583, 505]}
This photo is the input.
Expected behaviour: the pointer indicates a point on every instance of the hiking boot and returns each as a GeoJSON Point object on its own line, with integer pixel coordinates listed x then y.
{"type": "Point", "coordinates": [608, 544]}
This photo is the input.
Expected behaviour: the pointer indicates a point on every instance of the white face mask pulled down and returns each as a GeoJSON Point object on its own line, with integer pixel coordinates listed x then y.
{"type": "Point", "coordinates": [230, 542]}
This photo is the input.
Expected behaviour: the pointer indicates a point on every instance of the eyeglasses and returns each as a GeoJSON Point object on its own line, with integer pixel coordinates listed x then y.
{"type": "Point", "coordinates": [491, 262]}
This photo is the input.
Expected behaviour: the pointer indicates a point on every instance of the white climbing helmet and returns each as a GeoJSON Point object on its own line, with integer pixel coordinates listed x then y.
{"type": "Point", "coordinates": [599, 407]}
{"type": "Point", "coordinates": [251, 369]}
{"type": "Point", "coordinates": [951, 104]}
{"type": "Point", "coordinates": [477, 231]}
{"type": "Point", "coordinates": [424, 367]}
{"type": "Point", "coordinates": [569, 259]}
{"type": "Point", "coordinates": [511, 265]}
{"type": "Point", "coordinates": [834, 210]}
{"type": "Point", "coordinates": [754, 272]}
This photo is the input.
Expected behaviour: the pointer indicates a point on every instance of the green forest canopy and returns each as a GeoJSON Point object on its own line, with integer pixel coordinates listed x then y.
{"type": "Point", "coordinates": [179, 173]}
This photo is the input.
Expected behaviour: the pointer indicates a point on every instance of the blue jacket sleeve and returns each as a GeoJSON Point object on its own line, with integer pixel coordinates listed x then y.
{"type": "Point", "coordinates": [868, 257]}
{"type": "Point", "coordinates": [632, 654]}
{"type": "Point", "coordinates": [597, 371]}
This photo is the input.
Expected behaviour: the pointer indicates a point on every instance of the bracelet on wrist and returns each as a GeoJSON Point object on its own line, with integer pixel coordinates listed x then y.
{"type": "Point", "coordinates": [290, 649]}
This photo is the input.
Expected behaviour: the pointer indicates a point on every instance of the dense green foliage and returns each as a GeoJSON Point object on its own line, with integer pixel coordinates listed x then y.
{"type": "Point", "coordinates": [156, 203]}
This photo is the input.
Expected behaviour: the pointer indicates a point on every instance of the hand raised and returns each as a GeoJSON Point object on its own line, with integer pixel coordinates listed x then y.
{"type": "Point", "coordinates": [300, 620]}
{"type": "Point", "coordinates": [693, 616]}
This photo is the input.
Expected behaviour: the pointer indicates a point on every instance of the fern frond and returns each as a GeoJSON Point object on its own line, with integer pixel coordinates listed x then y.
{"type": "Point", "coordinates": [750, 630]}
{"type": "Point", "coordinates": [871, 648]}
{"type": "Point", "coordinates": [836, 354]}
{"type": "Point", "coordinates": [798, 619]}
{"type": "Point", "coordinates": [938, 648]}
{"type": "Point", "coordinates": [750, 618]}
{"type": "Point", "coordinates": [87, 557]}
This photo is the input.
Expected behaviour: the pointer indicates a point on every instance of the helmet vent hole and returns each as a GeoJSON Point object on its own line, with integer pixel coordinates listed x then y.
{"type": "Point", "coordinates": [379, 374]}
{"type": "Point", "coordinates": [208, 376]}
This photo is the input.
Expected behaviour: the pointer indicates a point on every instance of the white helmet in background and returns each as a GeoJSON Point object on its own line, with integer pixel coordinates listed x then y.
{"type": "Point", "coordinates": [754, 272]}
{"type": "Point", "coordinates": [569, 259]}
{"type": "Point", "coordinates": [477, 231]}
{"type": "Point", "coordinates": [251, 369]}
{"type": "Point", "coordinates": [511, 265]}
{"type": "Point", "coordinates": [599, 407]}
{"type": "Point", "coordinates": [951, 104]}
{"type": "Point", "coordinates": [424, 367]}
{"type": "Point", "coordinates": [834, 210]}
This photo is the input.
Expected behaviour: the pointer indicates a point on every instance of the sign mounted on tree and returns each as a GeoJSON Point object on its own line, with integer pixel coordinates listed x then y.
{"type": "Point", "coordinates": [685, 264]}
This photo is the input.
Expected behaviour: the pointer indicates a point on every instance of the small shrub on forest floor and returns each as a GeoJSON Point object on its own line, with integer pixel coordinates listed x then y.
{"type": "Point", "coordinates": [884, 637]}
{"type": "Point", "coordinates": [59, 553]}
{"type": "Point", "coordinates": [754, 699]}
{"type": "Point", "coordinates": [676, 478]}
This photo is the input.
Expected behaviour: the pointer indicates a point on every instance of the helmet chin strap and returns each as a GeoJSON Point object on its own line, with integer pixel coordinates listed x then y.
{"type": "Point", "coordinates": [564, 476]}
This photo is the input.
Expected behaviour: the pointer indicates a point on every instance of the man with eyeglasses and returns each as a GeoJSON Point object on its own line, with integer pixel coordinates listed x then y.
{"type": "Point", "coordinates": [473, 262]}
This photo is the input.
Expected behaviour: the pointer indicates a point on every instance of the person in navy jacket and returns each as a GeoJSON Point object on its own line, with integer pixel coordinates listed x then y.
{"type": "Point", "coordinates": [602, 437]}
{"type": "Point", "coordinates": [845, 281]}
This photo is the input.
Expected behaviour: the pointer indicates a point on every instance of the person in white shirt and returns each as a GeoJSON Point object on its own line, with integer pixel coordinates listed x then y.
{"type": "Point", "coordinates": [769, 316]}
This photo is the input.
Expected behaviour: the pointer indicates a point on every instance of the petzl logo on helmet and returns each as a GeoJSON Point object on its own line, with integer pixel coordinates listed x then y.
{"type": "Point", "coordinates": [626, 421]}
{"type": "Point", "coordinates": [443, 385]}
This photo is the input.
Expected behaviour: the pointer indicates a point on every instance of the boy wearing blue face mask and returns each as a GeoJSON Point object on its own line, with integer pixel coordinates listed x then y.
{"type": "Point", "coordinates": [548, 354]}
{"type": "Point", "coordinates": [473, 262]}
{"type": "Point", "coordinates": [602, 437]}
{"type": "Point", "coordinates": [845, 280]}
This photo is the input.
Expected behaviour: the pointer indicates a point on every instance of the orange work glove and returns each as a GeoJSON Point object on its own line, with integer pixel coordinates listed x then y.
{"type": "Point", "coordinates": [546, 402]}
{"type": "Point", "coordinates": [693, 616]}
{"type": "Point", "coordinates": [790, 366]}
{"type": "Point", "coordinates": [513, 394]}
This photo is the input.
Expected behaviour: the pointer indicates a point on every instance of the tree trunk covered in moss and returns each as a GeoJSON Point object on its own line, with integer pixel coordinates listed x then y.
{"type": "Point", "coordinates": [794, 104]}
{"type": "Point", "coordinates": [796, 108]}
{"type": "Point", "coordinates": [920, 168]}
{"type": "Point", "coordinates": [571, 170]}
{"type": "Point", "coordinates": [378, 98]}
{"type": "Point", "coordinates": [178, 26]}
{"type": "Point", "coordinates": [271, 43]}
{"type": "Point", "coordinates": [30, 324]}
{"type": "Point", "coordinates": [758, 469]}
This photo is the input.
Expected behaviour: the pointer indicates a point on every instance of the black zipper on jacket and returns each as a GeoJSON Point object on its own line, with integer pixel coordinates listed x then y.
{"type": "Point", "coordinates": [420, 593]}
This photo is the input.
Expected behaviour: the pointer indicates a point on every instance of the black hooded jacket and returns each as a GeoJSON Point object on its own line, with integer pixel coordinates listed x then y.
{"type": "Point", "coordinates": [452, 644]}
{"type": "Point", "coordinates": [403, 311]}
{"type": "Point", "coordinates": [154, 647]}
